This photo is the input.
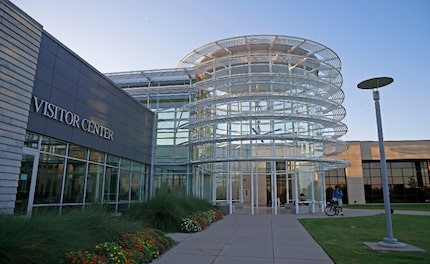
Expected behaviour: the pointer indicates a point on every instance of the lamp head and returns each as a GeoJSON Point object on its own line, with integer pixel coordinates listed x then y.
{"type": "Point", "coordinates": [375, 83]}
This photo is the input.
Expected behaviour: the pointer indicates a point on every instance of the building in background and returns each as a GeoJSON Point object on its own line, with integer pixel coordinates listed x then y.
{"type": "Point", "coordinates": [408, 167]}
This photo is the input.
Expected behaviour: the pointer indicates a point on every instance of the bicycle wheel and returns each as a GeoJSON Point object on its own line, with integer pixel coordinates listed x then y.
{"type": "Point", "coordinates": [330, 210]}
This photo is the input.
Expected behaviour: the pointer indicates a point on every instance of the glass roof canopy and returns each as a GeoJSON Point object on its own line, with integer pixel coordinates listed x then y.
{"type": "Point", "coordinates": [152, 77]}
{"type": "Point", "coordinates": [253, 43]}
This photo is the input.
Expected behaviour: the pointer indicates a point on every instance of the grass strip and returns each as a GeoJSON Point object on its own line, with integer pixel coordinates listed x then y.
{"type": "Point", "coordinates": [342, 237]}
{"type": "Point", "coordinates": [411, 207]}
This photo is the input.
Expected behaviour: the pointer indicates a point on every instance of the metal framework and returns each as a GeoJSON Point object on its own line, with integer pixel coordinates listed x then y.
{"type": "Point", "coordinates": [236, 76]}
{"type": "Point", "coordinates": [260, 105]}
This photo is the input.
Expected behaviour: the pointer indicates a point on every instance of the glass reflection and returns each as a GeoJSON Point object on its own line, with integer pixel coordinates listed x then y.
{"type": "Point", "coordinates": [49, 179]}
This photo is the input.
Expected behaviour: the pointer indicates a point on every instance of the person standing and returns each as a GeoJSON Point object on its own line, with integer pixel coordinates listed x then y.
{"type": "Point", "coordinates": [337, 197]}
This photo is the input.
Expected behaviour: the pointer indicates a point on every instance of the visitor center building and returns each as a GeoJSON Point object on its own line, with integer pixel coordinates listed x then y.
{"type": "Point", "coordinates": [244, 122]}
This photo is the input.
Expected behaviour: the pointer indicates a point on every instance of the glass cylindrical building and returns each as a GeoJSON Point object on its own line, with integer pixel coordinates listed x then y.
{"type": "Point", "coordinates": [264, 118]}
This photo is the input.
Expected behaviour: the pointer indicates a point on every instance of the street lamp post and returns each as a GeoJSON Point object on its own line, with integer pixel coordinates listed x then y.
{"type": "Point", "coordinates": [374, 84]}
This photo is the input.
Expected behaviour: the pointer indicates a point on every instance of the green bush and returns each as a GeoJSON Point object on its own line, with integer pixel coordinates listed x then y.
{"type": "Point", "coordinates": [47, 237]}
{"type": "Point", "coordinates": [44, 238]}
{"type": "Point", "coordinates": [165, 212]}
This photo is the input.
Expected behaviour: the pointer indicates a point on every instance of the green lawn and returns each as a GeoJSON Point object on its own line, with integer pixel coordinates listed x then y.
{"type": "Point", "coordinates": [342, 237]}
{"type": "Point", "coordinates": [413, 207]}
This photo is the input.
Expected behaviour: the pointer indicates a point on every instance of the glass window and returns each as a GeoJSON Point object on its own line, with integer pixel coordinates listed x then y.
{"type": "Point", "coordinates": [425, 168]}
{"type": "Point", "coordinates": [396, 172]}
{"type": "Point", "coordinates": [377, 194]}
{"type": "Point", "coordinates": [31, 140]}
{"type": "Point", "coordinates": [163, 124]}
{"type": "Point", "coordinates": [165, 134]}
{"type": "Point", "coordinates": [49, 179]}
{"type": "Point", "coordinates": [112, 160]}
{"type": "Point", "coordinates": [221, 187]}
{"type": "Point", "coordinates": [235, 187]}
{"type": "Point", "coordinates": [83, 177]}
{"type": "Point", "coordinates": [260, 68]}
{"type": "Point", "coordinates": [53, 146]}
{"type": "Point", "coordinates": [221, 73]}
{"type": "Point", "coordinates": [397, 180]}
{"type": "Point", "coordinates": [94, 183]}
{"type": "Point", "coordinates": [374, 165]}
{"type": "Point", "coordinates": [136, 186]}
{"type": "Point", "coordinates": [376, 180]}
{"type": "Point", "coordinates": [398, 164]}
{"type": "Point", "coordinates": [125, 164]}
{"type": "Point", "coordinates": [366, 173]}
{"type": "Point", "coordinates": [137, 167]}
{"type": "Point", "coordinates": [78, 152]}
{"type": "Point", "coordinates": [408, 172]}
{"type": "Point", "coordinates": [341, 173]}
{"type": "Point", "coordinates": [162, 116]}
{"type": "Point", "coordinates": [375, 172]}
{"type": "Point", "coordinates": [164, 141]}
{"type": "Point", "coordinates": [124, 185]}
{"type": "Point", "coordinates": [239, 69]}
{"type": "Point", "coordinates": [279, 69]}
{"type": "Point", "coordinates": [74, 182]}
{"type": "Point", "coordinates": [184, 116]}
{"type": "Point", "coordinates": [110, 185]}
{"type": "Point", "coordinates": [164, 152]}
{"type": "Point", "coordinates": [97, 156]}
{"type": "Point", "coordinates": [298, 71]}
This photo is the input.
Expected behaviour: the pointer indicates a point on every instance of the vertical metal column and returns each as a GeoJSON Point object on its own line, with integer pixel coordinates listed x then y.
{"type": "Point", "coordinates": [374, 84]}
{"type": "Point", "coordinates": [389, 239]}
{"type": "Point", "coordinates": [252, 187]}
{"type": "Point", "coordinates": [296, 188]}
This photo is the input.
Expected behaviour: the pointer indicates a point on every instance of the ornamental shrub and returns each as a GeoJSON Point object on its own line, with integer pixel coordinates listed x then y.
{"type": "Point", "coordinates": [201, 218]}
{"type": "Point", "coordinates": [82, 256]}
{"type": "Point", "coordinates": [189, 225]}
{"type": "Point", "coordinates": [112, 252]}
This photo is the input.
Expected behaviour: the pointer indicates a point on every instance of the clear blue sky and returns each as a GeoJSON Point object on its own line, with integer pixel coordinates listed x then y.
{"type": "Point", "coordinates": [372, 38]}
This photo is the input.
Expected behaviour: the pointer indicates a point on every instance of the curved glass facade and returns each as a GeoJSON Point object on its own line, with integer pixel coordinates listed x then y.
{"type": "Point", "coordinates": [255, 117]}
{"type": "Point", "coordinates": [266, 106]}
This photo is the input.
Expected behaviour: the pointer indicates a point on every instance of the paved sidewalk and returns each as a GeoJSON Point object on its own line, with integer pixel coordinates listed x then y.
{"type": "Point", "coordinates": [250, 239]}
{"type": "Point", "coordinates": [253, 239]}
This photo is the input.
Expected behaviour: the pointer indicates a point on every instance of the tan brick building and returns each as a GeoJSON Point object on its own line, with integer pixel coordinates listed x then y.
{"type": "Point", "coordinates": [407, 171]}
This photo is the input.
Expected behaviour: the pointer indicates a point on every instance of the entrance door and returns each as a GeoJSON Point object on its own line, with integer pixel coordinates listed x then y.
{"type": "Point", "coordinates": [289, 187]}
{"type": "Point", "coordinates": [27, 182]}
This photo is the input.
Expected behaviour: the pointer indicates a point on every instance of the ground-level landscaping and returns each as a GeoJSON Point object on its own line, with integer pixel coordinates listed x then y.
{"type": "Point", "coordinates": [342, 237]}
{"type": "Point", "coordinates": [93, 235]}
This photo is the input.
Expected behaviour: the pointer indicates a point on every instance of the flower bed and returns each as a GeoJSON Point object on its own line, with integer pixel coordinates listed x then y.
{"type": "Point", "coordinates": [200, 220]}
{"type": "Point", "coordinates": [141, 247]}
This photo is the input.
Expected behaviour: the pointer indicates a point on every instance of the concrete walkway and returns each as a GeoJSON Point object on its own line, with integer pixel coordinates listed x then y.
{"type": "Point", "coordinates": [261, 238]}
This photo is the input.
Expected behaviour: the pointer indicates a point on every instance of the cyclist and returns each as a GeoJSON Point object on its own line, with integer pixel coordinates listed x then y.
{"type": "Point", "coordinates": [337, 197]}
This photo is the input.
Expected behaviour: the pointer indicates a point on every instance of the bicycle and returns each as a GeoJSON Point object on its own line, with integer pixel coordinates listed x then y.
{"type": "Point", "coordinates": [332, 208]}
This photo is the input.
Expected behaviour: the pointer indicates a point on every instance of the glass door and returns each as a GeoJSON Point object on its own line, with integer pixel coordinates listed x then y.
{"type": "Point", "coordinates": [26, 182]}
